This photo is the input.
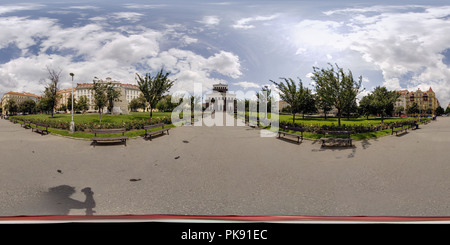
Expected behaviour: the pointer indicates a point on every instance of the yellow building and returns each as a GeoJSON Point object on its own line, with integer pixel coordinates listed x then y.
{"type": "Point", "coordinates": [65, 95]}
{"type": "Point", "coordinates": [18, 98]}
{"type": "Point", "coordinates": [426, 100]}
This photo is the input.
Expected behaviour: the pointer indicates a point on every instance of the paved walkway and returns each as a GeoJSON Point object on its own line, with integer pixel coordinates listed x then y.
{"type": "Point", "coordinates": [225, 171]}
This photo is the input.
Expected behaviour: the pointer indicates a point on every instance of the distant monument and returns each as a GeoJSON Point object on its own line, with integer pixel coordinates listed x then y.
{"type": "Point", "coordinates": [220, 99]}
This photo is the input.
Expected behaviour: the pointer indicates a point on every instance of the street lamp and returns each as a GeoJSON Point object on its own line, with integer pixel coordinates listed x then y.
{"type": "Point", "coordinates": [72, 123]}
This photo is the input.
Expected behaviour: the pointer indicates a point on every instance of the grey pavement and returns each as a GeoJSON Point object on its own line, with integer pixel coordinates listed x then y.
{"type": "Point", "coordinates": [225, 170]}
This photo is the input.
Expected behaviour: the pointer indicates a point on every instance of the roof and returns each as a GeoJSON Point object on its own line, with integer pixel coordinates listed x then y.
{"type": "Point", "coordinates": [23, 94]}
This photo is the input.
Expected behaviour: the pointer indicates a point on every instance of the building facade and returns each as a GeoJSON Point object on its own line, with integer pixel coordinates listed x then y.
{"type": "Point", "coordinates": [127, 93]}
{"type": "Point", "coordinates": [220, 99]}
{"type": "Point", "coordinates": [426, 100]}
{"type": "Point", "coordinates": [65, 95]}
{"type": "Point", "coordinates": [18, 98]}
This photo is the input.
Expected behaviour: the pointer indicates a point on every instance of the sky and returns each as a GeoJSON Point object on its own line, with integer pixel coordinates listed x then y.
{"type": "Point", "coordinates": [398, 44]}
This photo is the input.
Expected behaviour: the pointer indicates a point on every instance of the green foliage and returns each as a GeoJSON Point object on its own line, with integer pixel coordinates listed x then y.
{"type": "Point", "coordinates": [112, 95]}
{"type": "Point", "coordinates": [100, 97]}
{"type": "Point", "coordinates": [82, 104]}
{"type": "Point", "coordinates": [413, 109]}
{"type": "Point", "coordinates": [447, 110]}
{"type": "Point", "coordinates": [11, 107]}
{"type": "Point", "coordinates": [27, 106]}
{"type": "Point", "coordinates": [335, 87]}
{"type": "Point", "coordinates": [300, 99]}
{"type": "Point", "coordinates": [51, 95]}
{"type": "Point", "coordinates": [439, 111]}
{"type": "Point", "coordinates": [153, 88]}
{"type": "Point", "coordinates": [383, 101]}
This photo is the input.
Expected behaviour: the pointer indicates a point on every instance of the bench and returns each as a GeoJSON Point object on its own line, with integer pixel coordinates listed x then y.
{"type": "Point", "coordinates": [122, 138]}
{"type": "Point", "coordinates": [398, 129]}
{"type": "Point", "coordinates": [40, 128]}
{"type": "Point", "coordinates": [347, 140]}
{"type": "Point", "coordinates": [26, 124]}
{"type": "Point", "coordinates": [150, 133]}
{"type": "Point", "coordinates": [299, 136]}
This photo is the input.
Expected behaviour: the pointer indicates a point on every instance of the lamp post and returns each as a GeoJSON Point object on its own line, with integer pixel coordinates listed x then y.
{"type": "Point", "coordinates": [72, 123]}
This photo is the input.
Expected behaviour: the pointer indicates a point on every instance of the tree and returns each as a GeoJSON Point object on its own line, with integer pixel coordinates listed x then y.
{"type": "Point", "coordinates": [165, 104]}
{"type": "Point", "coordinates": [43, 105]}
{"type": "Point", "coordinates": [439, 111]}
{"type": "Point", "coordinates": [11, 107]}
{"type": "Point", "coordinates": [27, 106]}
{"type": "Point", "coordinates": [69, 103]}
{"type": "Point", "coordinates": [399, 110]}
{"type": "Point", "coordinates": [100, 98]}
{"type": "Point", "coordinates": [154, 87]}
{"type": "Point", "coordinates": [413, 109]}
{"type": "Point", "coordinates": [383, 101]}
{"type": "Point", "coordinates": [112, 94]}
{"type": "Point", "coordinates": [51, 89]}
{"type": "Point", "coordinates": [336, 88]}
{"type": "Point", "coordinates": [82, 104]}
{"type": "Point", "coordinates": [293, 95]}
{"type": "Point", "coordinates": [308, 102]}
{"type": "Point", "coordinates": [366, 106]}
{"type": "Point", "coordinates": [447, 110]}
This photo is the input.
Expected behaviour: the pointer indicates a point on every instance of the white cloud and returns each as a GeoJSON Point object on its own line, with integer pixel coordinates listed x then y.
{"type": "Point", "coordinates": [210, 20]}
{"type": "Point", "coordinates": [405, 43]}
{"type": "Point", "coordinates": [245, 22]}
{"type": "Point", "coordinates": [246, 85]}
{"type": "Point", "coordinates": [19, 7]}
{"type": "Point", "coordinates": [129, 16]}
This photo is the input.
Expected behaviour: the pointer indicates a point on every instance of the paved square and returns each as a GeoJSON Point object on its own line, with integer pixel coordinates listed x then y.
{"type": "Point", "coordinates": [225, 171]}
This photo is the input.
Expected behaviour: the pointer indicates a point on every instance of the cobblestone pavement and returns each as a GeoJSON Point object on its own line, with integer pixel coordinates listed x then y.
{"type": "Point", "coordinates": [227, 170]}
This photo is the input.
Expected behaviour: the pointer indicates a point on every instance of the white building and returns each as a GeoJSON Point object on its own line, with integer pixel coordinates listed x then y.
{"type": "Point", "coordinates": [127, 93]}
{"type": "Point", "coordinates": [220, 99]}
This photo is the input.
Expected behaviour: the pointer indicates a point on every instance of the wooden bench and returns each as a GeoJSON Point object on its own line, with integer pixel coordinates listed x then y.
{"type": "Point", "coordinates": [347, 140]}
{"type": "Point", "coordinates": [122, 138]}
{"type": "Point", "coordinates": [299, 136]}
{"type": "Point", "coordinates": [398, 129]}
{"type": "Point", "coordinates": [26, 124]}
{"type": "Point", "coordinates": [40, 128]}
{"type": "Point", "coordinates": [150, 133]}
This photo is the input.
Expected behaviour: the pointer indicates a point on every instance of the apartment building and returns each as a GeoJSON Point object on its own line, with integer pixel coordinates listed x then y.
{"type": "Point", "coordinates": [426, 100]}
{"type": "Point", "coordinates": [18, 98]}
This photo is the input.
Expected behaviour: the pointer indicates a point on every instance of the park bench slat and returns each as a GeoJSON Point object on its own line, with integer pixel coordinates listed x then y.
{"type": "Point", "coordinates": [150, 133]}
{"type": "Point", "coordinates": [37, 128]}
{"type": "Point", "coordinates": [296, 129]}
{"type": "Point", "coordinates": [122, 138]}
{"type": "Point", "coordinates": [347, 140]}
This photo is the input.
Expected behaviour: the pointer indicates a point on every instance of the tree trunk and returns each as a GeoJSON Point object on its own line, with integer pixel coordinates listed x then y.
{"type": "Point", "coordinates": [151, 113]}
{"type": "Point", "coordinates": [293, 118]}
{"type": "Point", "coordinates": [100, 111]}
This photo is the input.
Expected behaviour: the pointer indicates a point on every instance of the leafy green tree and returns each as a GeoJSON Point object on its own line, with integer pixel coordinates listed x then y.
{"type": "Point", "coordinates": [413, 109]}
{"type": "Point", "coordinates": [27, 106]}
{"type": "Point", "coordinates": [100, 97]}
{"type": "Point", "coordinates": [384, 100]}
{"type": "Point", "coordinates": [299, 98]}
{"type": "Point", "coordinates": [336, 88]}
{"type": "Point", "coordinates": [153, 88]}
{"type": "Point", "coordinates": [308, 103]}
{"type": "Point", "coordinates": [439, 111]}
{"type": "Point", "coordinates": [82, 104]}
{"type": "Point", "coordinates": [399, 110]}
{"type": "Point", "coordinates": [366, 106]}
{"type": "Point", "coordinates": [290, 93]}
{"type": "Point", "coordinates": [43, 105]}
{"type": "Point", "coordinates": [11, 107]}
{"type": "Point", "coordinates": [112, 94]}
{"type": "Point", "coordinates": [447, 110]}
{"type": "Point", "coordinates": [69, 103]}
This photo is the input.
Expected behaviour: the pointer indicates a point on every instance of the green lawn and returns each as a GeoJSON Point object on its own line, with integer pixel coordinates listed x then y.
{"type": "Point", "coordinates": [143, 117]}
{"type": "Point", "coordinates": [95, 117]}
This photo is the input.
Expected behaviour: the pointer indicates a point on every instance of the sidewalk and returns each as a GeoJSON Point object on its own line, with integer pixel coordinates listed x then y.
{"type": "Point", "coordinates": [228, 170]}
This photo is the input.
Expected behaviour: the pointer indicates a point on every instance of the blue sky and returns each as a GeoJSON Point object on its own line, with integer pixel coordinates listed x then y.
{"type": "Point", "coordinates": [397, 44]}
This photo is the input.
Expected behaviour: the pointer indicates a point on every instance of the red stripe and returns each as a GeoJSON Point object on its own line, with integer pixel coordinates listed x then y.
{"type": "Point", "coordinates": [224, 218]}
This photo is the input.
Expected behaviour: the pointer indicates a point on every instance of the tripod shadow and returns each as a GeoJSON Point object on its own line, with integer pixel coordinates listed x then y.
{"type": "Point", "coordinates": [60, 202]}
